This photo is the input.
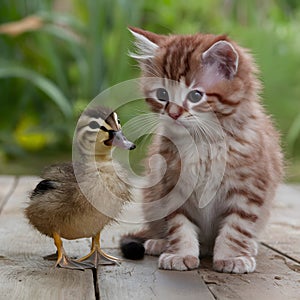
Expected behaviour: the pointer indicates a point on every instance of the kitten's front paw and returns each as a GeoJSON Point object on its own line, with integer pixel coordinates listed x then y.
{"type": "Point", "coordinates": [155, 247]}
{"type": "Point", "coordinates": [170, 261]}
{"type": "Point", "coordinates": [240, 264]}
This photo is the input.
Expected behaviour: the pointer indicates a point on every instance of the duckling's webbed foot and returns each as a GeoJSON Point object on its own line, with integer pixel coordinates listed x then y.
{"type": "Point", "coordinates": [97, 256]}
{"type": "Point", "coordinates": [110, 258]}
{"type": "Point", "coordinates": [63, 261]}
{"type": "Point", "coordinates": [53, 257]}
{"type": "Point", "coordinates": [67, 263]}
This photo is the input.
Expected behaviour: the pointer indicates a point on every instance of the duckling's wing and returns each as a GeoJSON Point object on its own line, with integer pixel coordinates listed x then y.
{"type": "Point", "coordinates": [62, 172]}
{"type": "Point", "coordinates": [42, 187]}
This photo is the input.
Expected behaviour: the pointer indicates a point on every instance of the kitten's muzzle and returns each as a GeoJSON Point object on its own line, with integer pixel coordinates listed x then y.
{"type": "Point", "coordinates": [174, 110]}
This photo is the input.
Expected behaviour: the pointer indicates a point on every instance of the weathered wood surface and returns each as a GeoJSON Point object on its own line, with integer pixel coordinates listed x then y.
{"type": "Point", "coordinates": [7, 184]}
{"type": "Point", "coordinates": [283, 231]}
{"type": "Point", "coordinates": [276, 277]}
{"type": "Point", "coordinates": [25, 275]}
{"type": "Point", "coordinates": [143, 280]}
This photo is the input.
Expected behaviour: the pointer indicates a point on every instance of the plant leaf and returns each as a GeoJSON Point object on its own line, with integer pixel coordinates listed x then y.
{"type": "Point", "coordinates": [293, 133]}
{"type": "Point", "coordinates": [44, 84]}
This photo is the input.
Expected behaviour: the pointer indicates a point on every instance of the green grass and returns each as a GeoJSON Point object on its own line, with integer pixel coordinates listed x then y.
{"type": "Point", "coordinates": [50, 74]}
{"type": "Point", "coordinates": [29, 164]}
{"type": "Point", "coordinates": [293, 171]}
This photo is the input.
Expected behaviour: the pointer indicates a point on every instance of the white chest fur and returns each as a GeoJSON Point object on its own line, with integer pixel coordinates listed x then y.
{"type": "Point", "coordinates": [203, 169]}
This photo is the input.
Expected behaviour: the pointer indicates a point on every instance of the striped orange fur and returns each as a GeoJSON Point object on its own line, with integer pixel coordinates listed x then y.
{"type": "Point", "coordinates": [198, 75]}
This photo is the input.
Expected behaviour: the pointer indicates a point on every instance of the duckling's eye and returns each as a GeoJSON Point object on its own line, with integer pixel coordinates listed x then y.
{"type": "Point", "coordinates": [119, 121]}
{"type": "Point", "coordinates": [94, 125]}
{"type": "Point", "coordinates": [195, 96]}
{"type": "Point", "coordinates": [162, 94]}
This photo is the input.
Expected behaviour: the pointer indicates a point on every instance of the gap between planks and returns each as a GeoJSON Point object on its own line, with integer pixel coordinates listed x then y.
{"type": "Point", "coordinates": [276, 277]}
{"type": "Point", "coordinates": [280, 252]}
{"type": "Point", "coordinates": [13, 182]}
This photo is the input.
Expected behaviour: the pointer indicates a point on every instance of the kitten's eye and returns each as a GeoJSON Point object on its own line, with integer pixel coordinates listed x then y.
{"type": "Point", "coordinates": [94, 125]}
{"type": "Point", "coordinates": [162, 94]}
{"type": "Point", "coordinates": [195, 96]}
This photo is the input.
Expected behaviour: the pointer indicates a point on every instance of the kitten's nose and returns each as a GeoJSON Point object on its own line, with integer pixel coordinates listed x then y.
{"type": "Point", "coordinates": [174, 110]}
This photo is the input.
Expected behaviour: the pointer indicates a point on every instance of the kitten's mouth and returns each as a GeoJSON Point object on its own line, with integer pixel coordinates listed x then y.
{"type": "Point", "coordinates": [177, 118]}
{"type": "Point", "coordinates": [181, 120]}
{"type": "Point", "coordinates": [178, 122]}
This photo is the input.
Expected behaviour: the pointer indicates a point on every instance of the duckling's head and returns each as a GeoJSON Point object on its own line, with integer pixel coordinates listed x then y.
{"type": "Point", "coordinates": [98, 130]}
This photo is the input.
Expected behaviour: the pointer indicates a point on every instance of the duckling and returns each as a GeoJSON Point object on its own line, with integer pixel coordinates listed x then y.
{"type": "Point", "coordinates": [59, 209]}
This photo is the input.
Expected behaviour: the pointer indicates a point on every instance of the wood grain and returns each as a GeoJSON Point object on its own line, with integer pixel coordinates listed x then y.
{"type": "Point", "coordinates": [275, 278]}
{"type": "Point", "coordinates": [6, 187]}
{"type": "Point", "coordinates": [283, 230]}
{"type": "Point", "coordinates": [143, 280]}
{"type": "Point", "coordinates": [24, 274]}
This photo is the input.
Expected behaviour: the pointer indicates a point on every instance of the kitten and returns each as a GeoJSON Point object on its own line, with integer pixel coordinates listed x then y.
{"type": "Point", "coordinates": [222, 155]}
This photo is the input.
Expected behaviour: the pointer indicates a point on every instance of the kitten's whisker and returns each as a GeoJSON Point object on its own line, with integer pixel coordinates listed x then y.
{"type": "Point", "coordinates": [198, 132]}
{"type": "Point", "coordinates": [211, 132]}
{"type": "Point", "coordinates": [210, 136]}
{"type": "Point", "coordinates": [144, 125]}
{"type": "Point", "coordinates": [140, 111]}
{"type": "Point", "coordinates": [222, 126]}
{"type": "Point", "coordinates": [213, 125]}
{"type": "Point", "coordinates": [138, 128]}
{"type": "Point", "coordinates": [216, 131]}
{"type": "Point", "coordinates": [147, 136]}
{"type": "Point", "coordinates": [203, 131]}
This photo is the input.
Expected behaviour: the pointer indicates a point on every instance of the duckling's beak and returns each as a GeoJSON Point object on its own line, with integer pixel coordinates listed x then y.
{"type": "Point", "coordinates": [119, 140]}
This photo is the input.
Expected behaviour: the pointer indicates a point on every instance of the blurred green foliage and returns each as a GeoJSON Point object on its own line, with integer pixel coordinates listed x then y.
{"type": "Point", "coordinates": [64, 52]}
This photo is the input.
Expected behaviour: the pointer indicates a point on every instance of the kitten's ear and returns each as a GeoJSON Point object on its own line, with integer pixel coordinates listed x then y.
{"type": "Point", "coordinates": [224, 57]}
{"type": "Point", "coordinates": [146, 43]}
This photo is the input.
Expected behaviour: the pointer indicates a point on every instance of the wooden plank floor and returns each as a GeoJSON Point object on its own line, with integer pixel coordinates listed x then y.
{"type": "Point", "coordinates": [24, 274]}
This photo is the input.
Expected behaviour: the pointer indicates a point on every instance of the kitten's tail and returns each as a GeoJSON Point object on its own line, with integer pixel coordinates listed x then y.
{"type": "Point", "coordinates": [132, 244]}
{"type": "Point", "coordinates": [132, 247]}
